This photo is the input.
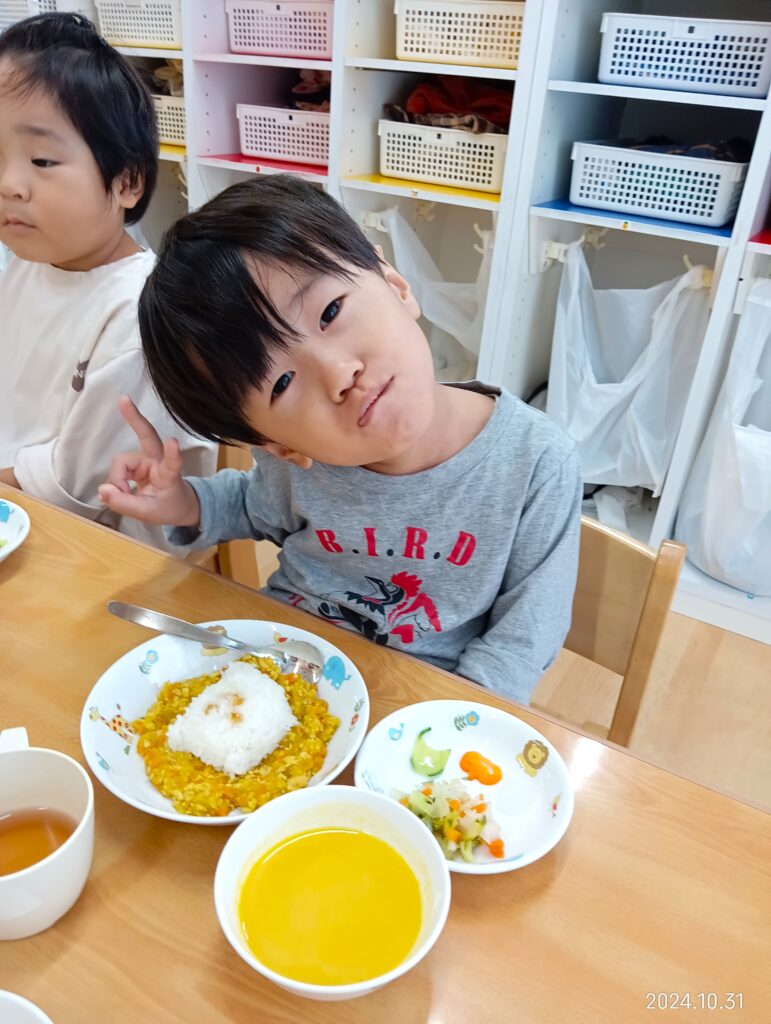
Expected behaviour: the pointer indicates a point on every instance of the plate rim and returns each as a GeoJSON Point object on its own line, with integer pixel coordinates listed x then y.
{"type": "Point", "coordinates": [11, 546]}
{"type": "Point", "coordinates": [490, 868]}
{"type": "Point", "coordinates": [234, 818]}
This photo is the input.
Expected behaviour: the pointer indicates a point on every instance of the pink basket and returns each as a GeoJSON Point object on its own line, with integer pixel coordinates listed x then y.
{"type": "Point", "coordinates": [291, 28]}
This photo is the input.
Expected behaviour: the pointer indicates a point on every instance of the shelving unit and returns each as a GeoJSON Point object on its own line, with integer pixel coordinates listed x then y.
{"type": "Point", "coordinates": [238, 162]}
{"type": "Point", "coordinates": [150, 51]}
{"type": "Point", "coordinates": [556, 101]}
{"type": "Point", "coordinates": [422, 190]}
{"type": "Point", "coordinates": [173, 153]}
{"type": "Point", "coordinates": [262, 61]}
{"type": "Point", "coordinates": [426, 68]}
{"type": "Point", "coordinates": [568, 104]}
{"type": "Point", "coordinates": [760, 243]}
{"type": "Point", "coordinates": [170, 199]}
{"type": "Point", "coordinates": [629, 92]}
{"type": "Point", "coordinates": [369, 76]}
{"type": "Point", "coordinates": [702, 597]}
{"type": "Point", "coordinates": [566, 212]}
{"type": "Point", "coordinates": [365, 75]}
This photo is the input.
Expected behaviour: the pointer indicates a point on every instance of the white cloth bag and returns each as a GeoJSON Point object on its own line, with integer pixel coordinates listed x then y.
{"type": "Point", "coordinates": [725, 512]}
{"type": "Point", "coordinates": [455, 310]}
{"type": "Point", "coordinates": [622, 362]}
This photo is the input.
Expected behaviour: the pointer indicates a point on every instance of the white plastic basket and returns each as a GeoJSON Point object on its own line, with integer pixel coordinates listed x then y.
{"type": "Point", "coordinates": [170, 112]}
{"type": "Point", "coordinates": [291, 28]}
{"type": "Point", "coordinates": [732, 58]}
{"type": "Point", "coordinates": [152, 23]}
{"type": "Point", "coordinates": [12, 11]}
{"type": "Point", "coordinates": [276, 133]}
{"type": "Point", "coordinates": [609, 176]}
{"type": "Point", "coordinates": [484, 33]}
{"type": "Point", "coordinates": [443, 156]}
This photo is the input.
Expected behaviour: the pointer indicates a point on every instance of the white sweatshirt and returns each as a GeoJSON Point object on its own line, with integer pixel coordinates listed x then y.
{"type": "Point", "coordinates": [69, 347]}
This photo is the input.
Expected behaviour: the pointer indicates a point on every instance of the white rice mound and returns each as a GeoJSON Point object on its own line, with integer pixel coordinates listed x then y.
{"type": "Point", "coordinates": [235, 722]}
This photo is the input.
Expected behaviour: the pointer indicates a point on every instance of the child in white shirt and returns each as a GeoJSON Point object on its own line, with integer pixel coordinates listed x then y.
{"type": "Point", "coordinates": [78, 161]}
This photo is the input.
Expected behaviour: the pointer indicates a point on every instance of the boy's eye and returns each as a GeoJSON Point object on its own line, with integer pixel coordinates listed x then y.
{"type": "Point", "coordinates": [332, 310]}
{"type": "Point", "coordinates": [44, 163]}
{"type": "Point", "coordinates": [281, 384]}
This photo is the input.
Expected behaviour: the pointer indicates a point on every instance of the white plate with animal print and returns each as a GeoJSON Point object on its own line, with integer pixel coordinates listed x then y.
{"type": "Point", "coordinates": [14, 527]}
{"type": "Point", "coordinates": [112, 740]}
{"type": "Point", "coordinates": [493, 790]}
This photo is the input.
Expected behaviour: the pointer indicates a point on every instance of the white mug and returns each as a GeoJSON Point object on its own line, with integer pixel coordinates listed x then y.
{"type": "Point", "coordinates": [34, 898]}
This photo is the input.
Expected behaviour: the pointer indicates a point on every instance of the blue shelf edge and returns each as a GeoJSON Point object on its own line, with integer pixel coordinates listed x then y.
{"type": "Point", "coordinates": [564, 206]}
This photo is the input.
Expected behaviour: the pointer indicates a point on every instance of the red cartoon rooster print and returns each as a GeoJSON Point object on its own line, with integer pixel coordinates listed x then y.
{"type": "Point", "coordinates": [397, 608]}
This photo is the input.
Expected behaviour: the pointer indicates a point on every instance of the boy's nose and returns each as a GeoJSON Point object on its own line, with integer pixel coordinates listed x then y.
{"type": "Point", "coordinates": [339, 373]}
{"type": "Point", "coordinates": [12, 185]}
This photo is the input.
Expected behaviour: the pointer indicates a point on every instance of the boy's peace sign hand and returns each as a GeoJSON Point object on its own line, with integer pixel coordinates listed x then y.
{"type": "Point", "coordinates": [148, 484]}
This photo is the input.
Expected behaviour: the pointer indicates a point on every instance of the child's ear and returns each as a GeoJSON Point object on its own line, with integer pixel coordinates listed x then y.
{"type": "Point", "coordinates": [127, 192]}
{"type": "Point", "coordinates": [287, 454]}
{"type": "Point", "coordinates": [401, 287]}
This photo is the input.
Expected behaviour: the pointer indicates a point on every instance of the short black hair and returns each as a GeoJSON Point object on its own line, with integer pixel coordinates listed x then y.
{"type": "Point", "coordinates": [209, 329]}
{"type": "Point", "coordinates": [98, 90]}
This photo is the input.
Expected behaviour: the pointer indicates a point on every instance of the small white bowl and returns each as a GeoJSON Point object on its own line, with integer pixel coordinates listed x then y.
{"type": "Point", "coordinates": [333, 807]}
{"type": "Point", "coordinates": [18, 1010]}
{"type": "Point", "coordinates": [532, 803]}
{"type": "Point", "coordinates": [131, 684]}
{"type": "Point", "coordinates": [14, 527]}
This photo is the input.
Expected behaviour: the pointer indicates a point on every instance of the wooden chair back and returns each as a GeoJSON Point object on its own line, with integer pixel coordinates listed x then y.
{"type": "Point", "coordinates": [237, 559]}
{"type": "Point", "coordinates": [623, 595]}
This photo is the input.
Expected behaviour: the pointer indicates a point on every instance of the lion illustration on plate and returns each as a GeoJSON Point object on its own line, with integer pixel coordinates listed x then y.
{"type": "Point", "coordinates": [533, 757]}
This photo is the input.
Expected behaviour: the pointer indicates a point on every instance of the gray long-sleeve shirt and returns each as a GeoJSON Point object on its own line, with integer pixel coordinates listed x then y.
{"type": "Point", "coordinates": [470, 565]}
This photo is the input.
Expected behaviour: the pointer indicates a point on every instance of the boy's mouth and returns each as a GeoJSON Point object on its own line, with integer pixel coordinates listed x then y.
{"type": "Point", "coordinates": [16, 223]}
{"type": "Point", "coordinates": [370, 401]}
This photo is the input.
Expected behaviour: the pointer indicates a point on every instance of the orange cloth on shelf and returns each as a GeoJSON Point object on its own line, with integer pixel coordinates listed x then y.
{"type": "Point", "coordinates": [448, 94]}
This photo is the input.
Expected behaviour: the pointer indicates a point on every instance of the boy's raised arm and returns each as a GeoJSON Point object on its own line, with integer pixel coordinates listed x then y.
{"type": "Point", "coordinates": [236, 504]}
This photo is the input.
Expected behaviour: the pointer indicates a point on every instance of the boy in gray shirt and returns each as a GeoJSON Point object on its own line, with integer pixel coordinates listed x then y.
{"type": "Point", "coordinates": [441, 520]}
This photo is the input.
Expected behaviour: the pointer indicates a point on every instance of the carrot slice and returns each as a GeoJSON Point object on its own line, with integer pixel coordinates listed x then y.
{"type": "Point", "coordinates": [496, 848]}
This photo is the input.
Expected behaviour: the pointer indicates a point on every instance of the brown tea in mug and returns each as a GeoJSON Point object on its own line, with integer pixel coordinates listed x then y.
{"type": "Point", "coordinates": [31, 834]}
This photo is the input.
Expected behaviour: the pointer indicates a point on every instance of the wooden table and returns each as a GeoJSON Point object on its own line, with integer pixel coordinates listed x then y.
{"type": "Point", "coordinates": [659, 886]}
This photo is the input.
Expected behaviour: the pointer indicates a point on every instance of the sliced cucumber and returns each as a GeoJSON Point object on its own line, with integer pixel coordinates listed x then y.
{"type": "Point", "coordinates": [467, 850]}
{"type": "Point", "coordinates": [427, 760]}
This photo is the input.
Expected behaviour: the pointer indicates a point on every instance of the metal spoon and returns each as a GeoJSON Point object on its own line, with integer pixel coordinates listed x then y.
{"type": "Point", "coordinates": [292, 656]}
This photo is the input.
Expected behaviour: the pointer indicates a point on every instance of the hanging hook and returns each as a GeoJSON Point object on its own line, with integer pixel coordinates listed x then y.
{"type": "Point", "coordinates": [425, 210]}
{"type": "Point", "coordinates": [556, 252]}
{"type": "Point", "coordinates": [373, 219]}
{"type": "Point", "coordinates": [592, 236]}
{"type": "Point", "coordinates": [180, 173]}
{"type": "Point", "coordinates": [704, 279]}
{"type": "Point", "coordinates": [485, 236]}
